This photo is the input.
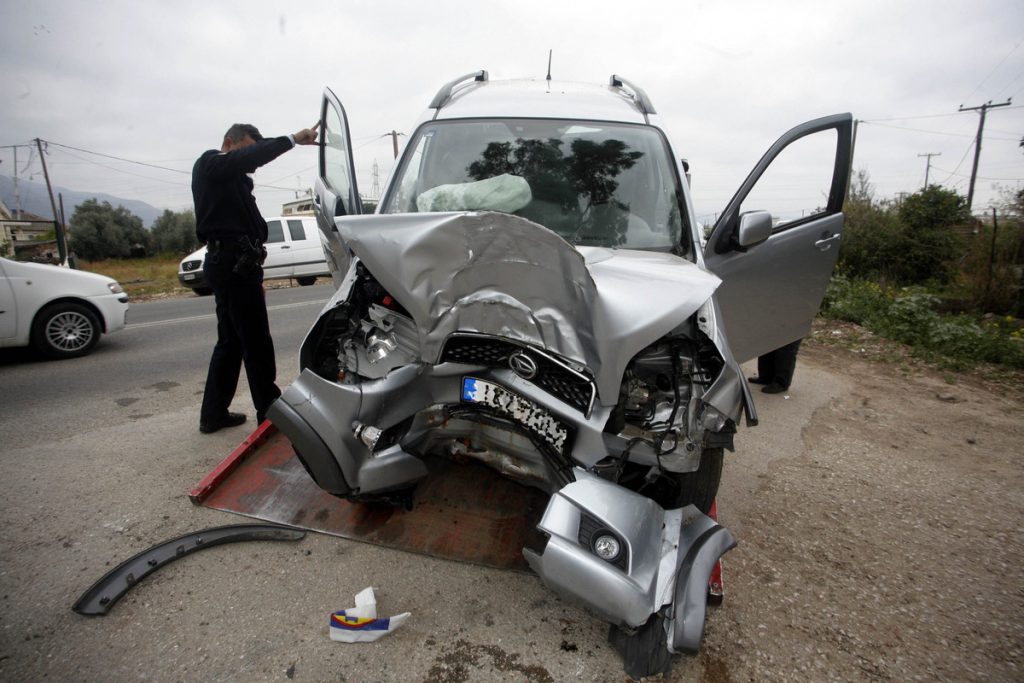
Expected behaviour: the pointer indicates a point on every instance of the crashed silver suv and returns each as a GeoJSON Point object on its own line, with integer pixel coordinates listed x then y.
{"type": "Point", "coordinates": [535, 292]}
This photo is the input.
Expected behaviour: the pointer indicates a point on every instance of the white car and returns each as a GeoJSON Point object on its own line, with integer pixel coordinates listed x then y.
{"type": "Point", "coordinates": [60, 312]}
{"type": "Point", "coordinates": [296, 252]}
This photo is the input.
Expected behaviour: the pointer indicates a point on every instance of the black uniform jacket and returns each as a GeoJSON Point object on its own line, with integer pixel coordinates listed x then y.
{"type": "Point", "coordinates": [222, 192]}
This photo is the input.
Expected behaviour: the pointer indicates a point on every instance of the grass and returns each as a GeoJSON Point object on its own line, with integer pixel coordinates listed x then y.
{"type": "Point", "coordinates": [910, 316]}
{"type": "Point", "coordinates": [141, 277]}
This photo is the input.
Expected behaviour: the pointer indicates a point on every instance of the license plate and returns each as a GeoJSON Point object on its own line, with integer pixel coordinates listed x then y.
{"type": "Point", "coordinates": [190, 276]}
{"type": "Point", "coordinates": [525, 412]}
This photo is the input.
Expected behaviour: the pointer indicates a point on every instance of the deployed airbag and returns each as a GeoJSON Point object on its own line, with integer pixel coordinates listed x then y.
{"type": "Point", "coordinates": [506, 193]}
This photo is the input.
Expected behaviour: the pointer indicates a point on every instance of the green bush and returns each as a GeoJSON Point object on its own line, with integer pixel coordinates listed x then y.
{"type": "Point", "coordinates": [908, 316]}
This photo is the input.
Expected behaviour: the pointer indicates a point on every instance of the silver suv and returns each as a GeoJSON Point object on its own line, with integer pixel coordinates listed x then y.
{"type": "Point", "coordinates": [535, 292]}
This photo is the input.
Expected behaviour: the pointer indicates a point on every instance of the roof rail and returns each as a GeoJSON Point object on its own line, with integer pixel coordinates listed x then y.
{"type": "Point", "coordinates": [641, 98]}
{"type": "Point", "coordinates": [445, 93]}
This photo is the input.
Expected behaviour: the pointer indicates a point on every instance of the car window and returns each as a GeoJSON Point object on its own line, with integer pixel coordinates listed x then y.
{"type": "Point", "coordinates": [274, 232]}
{"type": "Point", "coordinates": [335, 153]}
{"type": "Point", "coordinates": [594, 183]}
{"type": "Point", "coordinates": [796, 185]}
{"type": "Point", "coordinates": [296, 231]}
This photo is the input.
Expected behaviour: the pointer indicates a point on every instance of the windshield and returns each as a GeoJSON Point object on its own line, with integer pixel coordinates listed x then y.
{"type": "Point", "coordinates": [594, 183]}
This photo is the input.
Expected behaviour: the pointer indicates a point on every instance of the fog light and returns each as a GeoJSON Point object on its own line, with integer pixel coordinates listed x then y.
{"type": "Point", "coordinates": [607, 547]}
{"type": "Point", "coordinates": [368, 434]}
{"type": "Point", "coordinates": [379, 344]}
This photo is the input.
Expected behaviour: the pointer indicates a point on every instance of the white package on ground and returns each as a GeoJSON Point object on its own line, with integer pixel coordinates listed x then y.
{"type": "Point", "coordinates": [360, 624]}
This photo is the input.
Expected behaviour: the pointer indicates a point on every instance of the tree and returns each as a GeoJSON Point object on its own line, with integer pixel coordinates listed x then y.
{"type": "Point", "coordinates": [872, 235]}
{"type": "Point", "coordinates": [175, 232]}
{"type": "Point", "coordinates": [100, 231]}
{"type": "Point", "coordinates": [909, 243]}
{"type": "Point", "coordinates": [930, 246]}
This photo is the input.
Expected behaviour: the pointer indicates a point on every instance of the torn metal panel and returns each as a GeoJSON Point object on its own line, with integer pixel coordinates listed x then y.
{"type": "Point", "coordinates": [502, 275]}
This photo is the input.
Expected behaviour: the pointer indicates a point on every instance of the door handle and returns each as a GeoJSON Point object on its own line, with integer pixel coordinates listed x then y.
{"type": "Point", "coordinates": [826, 243]}
{"type": "Point", "coordinates": [285, 246]}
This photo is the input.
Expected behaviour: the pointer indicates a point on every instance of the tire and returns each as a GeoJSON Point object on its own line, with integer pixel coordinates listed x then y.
{"type": "Point", "coordinates": [203, 291]}
{"type": "Point", "coordinates": [699, 488]}
{"type": "Point", "coordinates": [644, 651]}
{"type": "Point", "coordinates": [65, 330]}
{"type": "Point", "coordinates": [306, 281]}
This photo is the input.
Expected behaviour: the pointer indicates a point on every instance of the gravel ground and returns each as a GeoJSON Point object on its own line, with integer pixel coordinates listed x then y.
{"type": "Point", "coordinates": [878, 509]}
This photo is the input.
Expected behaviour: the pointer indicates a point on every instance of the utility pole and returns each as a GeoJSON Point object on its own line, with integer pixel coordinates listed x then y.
{"type": "Point", "coordinates": [853, 148]}
{"type": "Point", "coordinates": [17, 192]}
{"type": "Point", "coordinates": [394, 140]}
{"type": "Point", "coordinates": [928, 165]}
{"type": "Point", "coordinates": [62, 247]}
{"type": "Point", "coordinates": [983, 108]}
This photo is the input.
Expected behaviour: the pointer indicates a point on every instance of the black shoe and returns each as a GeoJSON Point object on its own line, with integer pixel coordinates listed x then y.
{"type": "Point", "coordinates": [229, 420]}
{"type": "Point", "coordinates": [757, 380]}
{"type": "Point", "coordinates": [773, 388]}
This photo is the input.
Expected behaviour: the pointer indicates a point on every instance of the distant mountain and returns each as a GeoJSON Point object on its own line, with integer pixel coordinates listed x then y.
{"type": "Point", "coordinates": [34, 199]}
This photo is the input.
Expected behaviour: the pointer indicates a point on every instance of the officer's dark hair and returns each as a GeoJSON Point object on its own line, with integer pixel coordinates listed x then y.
{"type": "Point", "coordinates": [238, 131]}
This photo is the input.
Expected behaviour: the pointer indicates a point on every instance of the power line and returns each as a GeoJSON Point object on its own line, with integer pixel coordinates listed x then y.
{"type": "Point", "coordinates": [959, 163]}
{"type": "Point", "coordinates": [936, 132]}
{"type": "Point", "coordinates": [994, 69]}
{"type": "Point", "coordinates": [110, 156]}
{"type": "Point", "coordinates": [142, 163]}
{"type": "Point", "coordinates": [909, 118]}
{"type": "Point", "coordinates": [964, 175]}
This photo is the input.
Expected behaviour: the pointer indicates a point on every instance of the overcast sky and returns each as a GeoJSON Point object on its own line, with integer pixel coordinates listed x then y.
{"type": "Point", "coordinates": [160, 82]}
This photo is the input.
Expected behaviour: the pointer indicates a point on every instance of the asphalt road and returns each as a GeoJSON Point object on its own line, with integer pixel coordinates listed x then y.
{"type": "Point", "coordinates": [157, 364]}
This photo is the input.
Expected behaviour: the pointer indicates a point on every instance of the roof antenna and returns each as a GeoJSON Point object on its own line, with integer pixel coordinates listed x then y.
{"type": "Point", "coordinates": [549, 65]}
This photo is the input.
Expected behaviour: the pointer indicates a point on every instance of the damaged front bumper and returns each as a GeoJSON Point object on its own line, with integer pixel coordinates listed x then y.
{"type": "Point", "coordinates": [664, 560]}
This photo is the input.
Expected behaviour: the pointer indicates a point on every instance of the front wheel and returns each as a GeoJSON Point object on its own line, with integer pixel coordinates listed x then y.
{"type": "Point", "coordinates": [673, 490]}
{"type": "Point", "coordinates": [65, 330]}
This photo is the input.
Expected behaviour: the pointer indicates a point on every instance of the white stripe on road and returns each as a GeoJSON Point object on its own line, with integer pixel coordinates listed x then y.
{"type": "Point", "coordinates": [210, 316]}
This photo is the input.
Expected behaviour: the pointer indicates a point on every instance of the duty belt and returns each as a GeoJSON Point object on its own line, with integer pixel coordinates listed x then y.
{"type": "Point", "coordinates": [232, 245]}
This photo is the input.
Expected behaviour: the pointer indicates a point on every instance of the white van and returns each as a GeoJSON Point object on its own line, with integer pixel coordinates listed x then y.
{"type": "Point", "coordinates": [294, 250]}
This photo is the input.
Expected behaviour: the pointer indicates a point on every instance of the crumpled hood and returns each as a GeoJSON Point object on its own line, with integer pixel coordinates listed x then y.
{"type": "Point", "coordinates": [499, 274]}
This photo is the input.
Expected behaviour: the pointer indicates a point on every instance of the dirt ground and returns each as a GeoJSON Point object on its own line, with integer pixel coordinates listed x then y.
{"type": "Point", "coordinates": [878, 509]}
{"type": "Point", "coordinates": [889, 545]}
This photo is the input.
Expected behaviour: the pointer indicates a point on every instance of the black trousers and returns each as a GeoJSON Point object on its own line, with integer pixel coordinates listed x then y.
{"type": "Point", "coordinates": [777, 367]}
{"type": "Point", "coordinates": [243, 336]}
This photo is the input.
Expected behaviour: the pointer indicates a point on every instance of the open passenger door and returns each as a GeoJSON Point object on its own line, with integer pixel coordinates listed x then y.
{"type": "Point", "coordinates": [775, 265]}
{"type": "Point", "coordinates": [335, 193]}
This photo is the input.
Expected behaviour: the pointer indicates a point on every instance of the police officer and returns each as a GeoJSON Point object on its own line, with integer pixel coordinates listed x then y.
{"type": "Point", "coordinates": [230, 224]}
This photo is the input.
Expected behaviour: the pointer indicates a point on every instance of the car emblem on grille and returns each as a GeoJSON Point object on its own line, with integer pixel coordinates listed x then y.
{"type": "Point", "coordinates": [523, 365]}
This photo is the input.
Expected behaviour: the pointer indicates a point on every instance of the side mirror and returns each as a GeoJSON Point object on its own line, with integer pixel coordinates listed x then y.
{"type": "Point", "coordinates": [755, 227]}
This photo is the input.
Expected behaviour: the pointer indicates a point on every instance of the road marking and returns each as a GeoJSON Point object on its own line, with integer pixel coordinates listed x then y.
{"type": "Point", "coordinates": [210, 316]}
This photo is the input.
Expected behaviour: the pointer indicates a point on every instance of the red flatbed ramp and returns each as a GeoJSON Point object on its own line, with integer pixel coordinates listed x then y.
{"type": "Point", "coordinates": [463, 512]}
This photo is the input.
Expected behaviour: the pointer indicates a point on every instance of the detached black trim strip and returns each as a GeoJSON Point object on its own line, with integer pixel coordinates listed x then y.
{"type": "Point", "coordinates": [98, 600]}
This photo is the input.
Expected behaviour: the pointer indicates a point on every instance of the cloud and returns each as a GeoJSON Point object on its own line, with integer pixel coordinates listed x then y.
{"type": "Point", "coordinates": [162, 81]}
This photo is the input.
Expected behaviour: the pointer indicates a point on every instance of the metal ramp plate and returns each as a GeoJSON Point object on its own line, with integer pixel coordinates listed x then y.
{"type": "Point", "coordinates": [463, 512]}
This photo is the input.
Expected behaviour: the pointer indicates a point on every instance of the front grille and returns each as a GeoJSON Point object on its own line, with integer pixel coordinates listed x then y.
{"type": "Point", "coordinates": [553, 376]}
{"type": "Point", "coordinates": [191, 265]}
